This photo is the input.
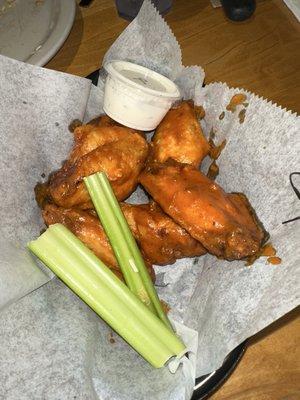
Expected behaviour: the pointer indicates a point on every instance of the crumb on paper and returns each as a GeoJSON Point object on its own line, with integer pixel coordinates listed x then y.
{"type": "Point", "coordinates": [213, 171]}
{"type": "Point", "coordinates": [222, 115]}
{"type": "Point", "coordinates": [242, 115]}
{"type": "Point", "coordinates": [274, 260]}
{"type": "Point", "coordinates": [235, 101]}
{"type": "Point", "coordinates": [111, 338]}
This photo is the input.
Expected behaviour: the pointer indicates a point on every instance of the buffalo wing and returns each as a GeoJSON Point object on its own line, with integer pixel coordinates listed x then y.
{"type": "Point", "coordinates": [179, 136]}
{"type": "Point", "coordinates": [225, 224]}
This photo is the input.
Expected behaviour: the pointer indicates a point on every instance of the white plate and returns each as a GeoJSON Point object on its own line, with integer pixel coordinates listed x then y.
{"type": "Point", "coordinates": [33, 30]}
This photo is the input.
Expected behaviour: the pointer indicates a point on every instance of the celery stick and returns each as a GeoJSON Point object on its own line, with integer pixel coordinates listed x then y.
{"type": "Point", "coordinates": [106, 187]}
{"type": "Point", "coordinates": [87, 276]}
{"type": "Point", "coordinates": [104, 199]}
{"type": "Point", "coordinates": [116, 237]}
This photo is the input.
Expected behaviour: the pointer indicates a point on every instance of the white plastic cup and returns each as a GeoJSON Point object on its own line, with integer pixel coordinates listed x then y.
{"type": "Point", "coordinates": [136, 96]}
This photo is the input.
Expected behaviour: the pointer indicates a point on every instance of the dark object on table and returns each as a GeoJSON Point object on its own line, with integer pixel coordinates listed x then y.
{"type": "Point", "coordinates": [297, 192]}
{"type": "Point", "coordinates": [206, 385]}
{"type": "Point", "coordinates": [128, 9]}
{"type": "Point", "coordinates": [85, 3]}
{"type": "Point", "coordinates": [238, 10]}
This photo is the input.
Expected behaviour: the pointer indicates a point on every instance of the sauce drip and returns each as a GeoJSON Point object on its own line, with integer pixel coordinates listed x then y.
{"type": "Point", "coordinates": [268, 250]}
{"type": "Point", "coordinates": [215, 151]}
{"type": "Point", "coordinates": [274, 260]}
{"type": "Point", "coordinates": [213, 171]}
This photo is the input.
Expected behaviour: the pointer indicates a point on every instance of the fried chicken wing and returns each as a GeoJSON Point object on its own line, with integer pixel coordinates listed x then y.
{"type": "Point", "coordinates": [161, 240]}
{"type": "Point", "coordinates": [179, 136]}
{"type": "Point", "coordinates": [225, 224]}
{"type": "Point", "coordinates": [86, 226]}
{"type": "Point", "coordinates": [119, 152]}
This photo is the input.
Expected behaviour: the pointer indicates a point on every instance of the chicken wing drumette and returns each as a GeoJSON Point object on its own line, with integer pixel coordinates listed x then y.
{"type": "Point", "coordinates": [179, 136]}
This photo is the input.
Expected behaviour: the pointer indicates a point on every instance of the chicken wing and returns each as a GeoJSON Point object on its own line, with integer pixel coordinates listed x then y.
{"type": "Point", "coordinates": [119, 152]}
{"type": "Point", "coordinates": [179, 136]}
{"type": "Point", "coordinates": [86, 226]}
{"type": "Point", "coordinates": [225, 224]}
{"type": "Point", "coordinates": [161, 240]}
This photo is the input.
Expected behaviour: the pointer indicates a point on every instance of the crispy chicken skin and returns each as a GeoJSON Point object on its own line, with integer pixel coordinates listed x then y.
{"type": "Point", "coordinates": [224, 223]}
{"type": "Point", "coordinates": [88, 137]}
{"type": "Point", "coordinates": [119, 152]}
{"type": "Point", "coordinates": [86, 226]}
{"type": "Point", "coordinates": [159, 237]}
{"type": "Point", "coordinates": [179, 136]}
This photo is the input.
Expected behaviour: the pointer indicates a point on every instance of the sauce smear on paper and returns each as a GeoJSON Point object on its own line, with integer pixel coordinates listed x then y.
{"type": "Point", "coordinates": [274, 260]}
{"type": "Point", "coordinates": [236, 100]}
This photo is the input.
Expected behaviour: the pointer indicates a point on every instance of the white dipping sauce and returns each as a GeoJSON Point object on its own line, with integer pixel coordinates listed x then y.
{"type": "Point", "coordinates": [136, 96]}
{"type": "Point", "coordinates": [143, 80]}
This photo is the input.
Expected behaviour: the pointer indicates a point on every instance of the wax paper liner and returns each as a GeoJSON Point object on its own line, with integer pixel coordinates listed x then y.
{"type": "Point", "coordinates": [37, 105]}
{"type": "Point", "coordinates": [52, 345]}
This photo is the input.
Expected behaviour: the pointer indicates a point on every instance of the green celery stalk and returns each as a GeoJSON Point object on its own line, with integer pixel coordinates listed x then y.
{"type": "Point", "coordinates": [124, 256]}
{"type": "Point", "coordinates": [112, 218]}
{"type": "Point", "coordinates": [109, 297]}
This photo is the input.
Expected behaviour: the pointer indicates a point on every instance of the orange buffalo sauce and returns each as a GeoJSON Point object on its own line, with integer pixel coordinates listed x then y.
{"type": "Point", "coordinates": [274, 260]}
{"type": "Point", "coordinates": [268, 250]}
{"type": "Point", "coordinates": [236, 100]}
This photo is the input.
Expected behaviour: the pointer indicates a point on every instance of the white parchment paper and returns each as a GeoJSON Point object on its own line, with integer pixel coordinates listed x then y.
{"type": "Point", "coordinates": [36, 107]}
{"type": "Point", "coordinates": [52, 345]}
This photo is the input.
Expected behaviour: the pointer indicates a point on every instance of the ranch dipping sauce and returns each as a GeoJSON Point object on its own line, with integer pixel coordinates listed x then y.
{"type": "Point", "coordinates": [143, 79]}
{"type": "Point", "coordinates": [136, 96]}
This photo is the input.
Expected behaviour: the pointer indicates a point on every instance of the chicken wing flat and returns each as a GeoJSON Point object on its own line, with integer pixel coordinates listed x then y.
{"type": "Point", "coordinates": [225, 224]}
{"type": "Point", "coordinates": [161, 240]}
{"type": "Point", "coordinates": [86, 226]}
{"type": "Point", "coordinates": [119, 152]}
{"type": "Point", "coordinates": [179, 136]}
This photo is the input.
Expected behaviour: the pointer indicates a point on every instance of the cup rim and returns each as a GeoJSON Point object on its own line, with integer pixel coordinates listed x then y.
{"type": "Point", "coordinates": [111, 70]}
